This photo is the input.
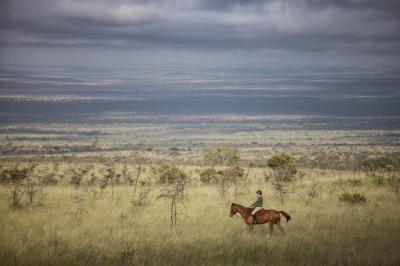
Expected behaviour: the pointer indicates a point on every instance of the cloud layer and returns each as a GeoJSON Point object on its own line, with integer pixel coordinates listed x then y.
{"type": "Point", "coordinates": [348, 27]}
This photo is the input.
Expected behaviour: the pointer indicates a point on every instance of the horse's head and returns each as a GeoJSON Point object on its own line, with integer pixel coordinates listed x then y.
{"type": "Point", "coordinates": [234, 209]}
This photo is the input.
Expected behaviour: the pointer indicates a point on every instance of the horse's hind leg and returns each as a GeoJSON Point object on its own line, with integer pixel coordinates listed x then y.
{"type": "Point", "coordinates": [271, 228]}
{"type": "Point", "coordinates": [280, 227]}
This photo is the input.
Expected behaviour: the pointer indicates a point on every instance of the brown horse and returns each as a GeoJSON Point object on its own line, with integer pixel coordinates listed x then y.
{"type": "Point", "coordinates": [271, 217]}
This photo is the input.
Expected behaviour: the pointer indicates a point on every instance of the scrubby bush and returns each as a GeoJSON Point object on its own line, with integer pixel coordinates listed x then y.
{"type": "Point", "coordinates": [353, 198]}
{"type": "Point", "coordinates": [140, 200]}
{"type": "Point", "coordinates": [19, 180]}
{"type": "Point", "coordinates": [222, 155]}
{"type": "Point", "coordinates": [307, 192]}
{"type": "Point", "coordinates": [209, 176]}
{"type": "Point", "coordinates": [77, 176]}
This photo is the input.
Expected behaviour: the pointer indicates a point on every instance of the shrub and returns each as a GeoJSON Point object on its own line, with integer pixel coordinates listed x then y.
{"type": "Point", "coordinates": [18, 178]}
{"type": "Point", "coordinates": [280, 160]}
{"type": "Point", "coordinates": [209, 176]}
{"type": "Point", "coordinates": [169, 173]}
{"type": "Point", "coordinates": [353, 198]}
{"type": "Point", "coordinates": [142, 197]}
{"type": "Point", "coordinates": [223, 154]}
{"type": "Point", "coordinates": [307, 192]}
{"type": "Point", "coordinates": [77, 176]}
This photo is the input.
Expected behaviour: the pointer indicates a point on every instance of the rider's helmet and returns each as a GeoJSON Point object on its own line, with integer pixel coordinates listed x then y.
{"type": "Point", "coordinates": [259, 192]}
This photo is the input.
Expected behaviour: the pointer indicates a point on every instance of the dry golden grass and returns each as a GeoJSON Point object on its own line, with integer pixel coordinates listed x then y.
{"type": "Point", "coordinates": [111, 231]}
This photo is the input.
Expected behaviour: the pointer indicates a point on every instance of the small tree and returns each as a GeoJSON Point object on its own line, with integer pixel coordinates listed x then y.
{"type": "Point", "coordinates": [283, 172]}
{"type": "Point", "coordinates": [173, 183]}
{"type": "Point", "coordinates": [111, 177]}
{"type": "Point", "coordinates": [30, 186]}
{"type": "Point", "coordinates": [15, 178]}
{"type": "Point", "coordinates": [223, 156]}
{"type": "Point", "coordinates": [126, 175]}
{"type": "Point", "coordinates": [172, 193]}
{"type": "Point", "coordinates": [140, 168]}
{"type": "Point", "coordinates": [236, 176]}
{"type": "Point", "coordinates": [223, 183]}
{"type": "Point", "coordinates": [307, 192]}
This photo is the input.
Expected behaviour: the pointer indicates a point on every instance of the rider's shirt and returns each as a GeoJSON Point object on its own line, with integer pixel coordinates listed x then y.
{"type": "Point", "coordinates": [258, 202]}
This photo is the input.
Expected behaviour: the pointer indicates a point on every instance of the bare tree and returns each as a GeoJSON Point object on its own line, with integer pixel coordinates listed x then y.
{"type": "Point", "coordinates": [111, 177]}
{"type": "Point", "coordinates": [139, 169]}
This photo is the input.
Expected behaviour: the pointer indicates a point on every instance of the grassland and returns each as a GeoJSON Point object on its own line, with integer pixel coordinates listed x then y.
{"type": "Point", "coordinates": [81, 226]}
{"type": "Point", "coordinates": [182, 141]}
{"type": "Point", "coordinates": [72, 226]}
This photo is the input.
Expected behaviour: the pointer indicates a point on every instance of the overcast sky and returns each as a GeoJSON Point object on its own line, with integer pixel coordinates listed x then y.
{"type": "Point", "coordinates": [126, 32]}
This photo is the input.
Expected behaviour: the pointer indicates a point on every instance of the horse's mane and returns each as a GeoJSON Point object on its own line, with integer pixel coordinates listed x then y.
{"type": "Point", "coordinates": [242, 207]}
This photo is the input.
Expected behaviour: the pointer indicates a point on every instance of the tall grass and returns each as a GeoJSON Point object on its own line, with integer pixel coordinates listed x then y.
{"type": "Point", "coordinates": [111, 231]}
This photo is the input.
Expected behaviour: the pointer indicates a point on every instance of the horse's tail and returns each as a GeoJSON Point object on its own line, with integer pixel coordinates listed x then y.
{"type": "Point", "coordinates": [287, 216]}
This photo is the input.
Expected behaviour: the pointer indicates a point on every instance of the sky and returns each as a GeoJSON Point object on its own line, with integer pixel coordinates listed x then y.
{"type": "Point", "coordinates": [206, 32]}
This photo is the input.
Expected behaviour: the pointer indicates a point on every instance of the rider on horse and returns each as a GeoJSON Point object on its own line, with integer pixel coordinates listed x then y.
{"type": "Point", "coordinates": [257, 205]}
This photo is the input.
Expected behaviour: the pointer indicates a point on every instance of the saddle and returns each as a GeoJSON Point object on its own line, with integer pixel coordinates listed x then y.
{"type": "Point", "coordinates": [259, 212]}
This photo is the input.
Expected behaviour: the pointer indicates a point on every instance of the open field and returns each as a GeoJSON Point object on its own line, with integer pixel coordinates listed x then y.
{"type": "Point", "coordinates": [78, 226]}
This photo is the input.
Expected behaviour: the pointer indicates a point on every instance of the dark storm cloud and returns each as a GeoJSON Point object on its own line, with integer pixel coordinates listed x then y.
{"type": "Point", "coordinates": [349, 26]}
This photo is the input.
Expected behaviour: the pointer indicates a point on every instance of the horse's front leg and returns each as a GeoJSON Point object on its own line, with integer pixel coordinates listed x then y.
{"type": "Point", "coordinates": [250, 227]}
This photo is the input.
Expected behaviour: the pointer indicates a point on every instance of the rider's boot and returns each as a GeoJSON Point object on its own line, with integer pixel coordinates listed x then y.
{"type": "Point", "coordinates": [254, 219]}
